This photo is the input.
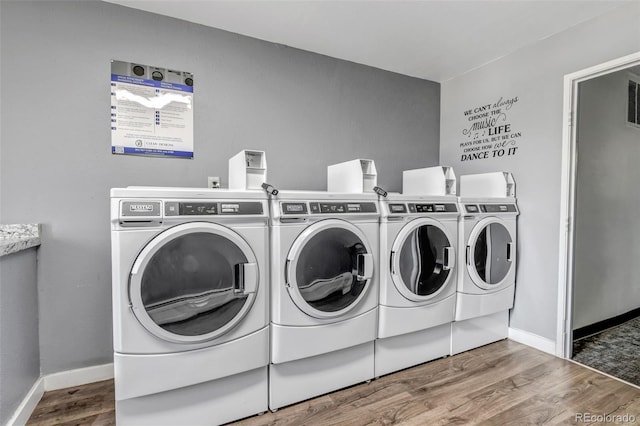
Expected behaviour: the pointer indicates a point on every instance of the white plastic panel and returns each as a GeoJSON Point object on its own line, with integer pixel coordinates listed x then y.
{"type": "Point", "coordinates": [138, 375]}
{"type": "Point", "coordinates": [438, 180]}
{"type": "Point", "coordinates": [292, 343]}
{"type": "Point", "coordinates": [476, 332]}
{"type": "Point", "coordinates": [303, 379]}
{"type": "Point", "coordinates": [488, 185]}
{"type": "Point", "coordinates": [352, 176]}
{"type": "Point", "coordinates": [398, 352]}
{"type": "Point", "coordinates": [211, 403]}
{"type": "Point", "coordinates": [476, 305]}
{"type": "Point", "coordinates": [247, 170]}
{"type": "Point", "coordinates": [397, 321]}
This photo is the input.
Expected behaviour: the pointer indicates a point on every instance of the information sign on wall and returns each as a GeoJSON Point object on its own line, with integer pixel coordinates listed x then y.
{"type": "Point", "coordinates": [151, 111]}
{"type": "Point", "coordinates": [489, 131]}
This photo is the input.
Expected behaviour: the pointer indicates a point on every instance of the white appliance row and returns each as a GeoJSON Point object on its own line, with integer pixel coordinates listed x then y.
{"type": "Point", "coordinates": [229, 303]}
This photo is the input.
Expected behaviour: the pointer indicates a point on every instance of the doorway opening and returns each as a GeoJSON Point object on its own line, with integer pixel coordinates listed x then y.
{"type": "Point", "coordinates": [598, 287]}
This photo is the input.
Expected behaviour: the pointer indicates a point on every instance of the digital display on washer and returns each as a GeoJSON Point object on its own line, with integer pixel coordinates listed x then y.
{"type": "Point", "coordinates": [471, 208]}
{"type": "Point", "coordinates": [240, 207]}
{"type": "Point", "coordinates": [397, 208]}
{"type": "Point", "coordinates": [498, 208]}
{"type": "Point", "coordinates": [433, 208]}
{"type": "Point", "coordinates": [229, 208]}
{"type": "Point", "coordinates": [197, 209]}
{"type": "Point", "coordinates": [333, 208]}
{"type": "Point", "coordinates": [336, 208]}
{"type": "Point", "coordinates": [294, 208]}
{"type": "Point", "coordinates": [208, 208]}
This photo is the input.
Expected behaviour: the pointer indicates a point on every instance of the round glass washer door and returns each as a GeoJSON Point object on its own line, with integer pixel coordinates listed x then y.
{"type": "Point", "coordinates": [422, 259]}
{"type": "Point", "coordinates": [329, 268]}
{"type": "Point", "coordinates": [193, 282]}
{"type": "Point", "coordinates": [490, 253]}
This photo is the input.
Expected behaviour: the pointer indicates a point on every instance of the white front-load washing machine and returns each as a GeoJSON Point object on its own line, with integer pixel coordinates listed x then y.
{"type": "Point", "coordinates": [487, 271]}
{"type": "Point", "coordinates": [418, 249]}
{"type": "Point", "coordinates": [190, 305]}
{"type": "Point", "coordinates": [324, 293]}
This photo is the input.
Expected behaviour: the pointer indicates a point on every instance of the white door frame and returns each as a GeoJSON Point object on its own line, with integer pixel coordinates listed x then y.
{"type": "Point", "coordinates": [564, 329]}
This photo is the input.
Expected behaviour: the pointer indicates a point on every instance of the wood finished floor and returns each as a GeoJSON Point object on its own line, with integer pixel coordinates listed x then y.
{"type": "Point", "coordinates": [504, 383]}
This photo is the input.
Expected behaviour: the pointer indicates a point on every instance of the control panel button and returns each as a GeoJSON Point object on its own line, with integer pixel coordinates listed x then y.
{"type": "Point", "coordinates": [171, 208]}
{"type": "Point", "coordinates": [198, 209]}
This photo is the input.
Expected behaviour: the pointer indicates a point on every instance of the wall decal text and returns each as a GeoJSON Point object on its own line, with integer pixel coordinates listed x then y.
{"type": "Point", "coordinates": [489, 132]}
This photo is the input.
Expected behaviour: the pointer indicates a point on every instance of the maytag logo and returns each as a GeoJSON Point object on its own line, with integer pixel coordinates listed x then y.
{"type": "Point", "coordinates": [140, 208]}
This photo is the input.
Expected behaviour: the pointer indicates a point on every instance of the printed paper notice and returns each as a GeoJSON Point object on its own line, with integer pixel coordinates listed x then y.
{"type": "Point", "coordinates": [151, 111]}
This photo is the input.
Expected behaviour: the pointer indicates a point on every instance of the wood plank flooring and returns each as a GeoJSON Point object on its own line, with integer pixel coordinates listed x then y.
{"type": "Point", "coordinates": [504, 383]}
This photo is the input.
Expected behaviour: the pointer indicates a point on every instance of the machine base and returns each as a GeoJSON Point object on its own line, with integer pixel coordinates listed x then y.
{"type": "Point", "coordinates": [305, 378]}
{"type": "Point", "coordinates": [140, 375]}
{"type": "Point", "coordinates": [394, 321]}
{"type": "Point", "coordinates": [290, 343]}
{"type": "Point", "coordinates": [477, 305]}
{"type": "Point", "coordinates": [211, 403]}
{"type": "Point", "coordinates": [475, 332]}
{"type": "Point", "coordinates": [398, 352]}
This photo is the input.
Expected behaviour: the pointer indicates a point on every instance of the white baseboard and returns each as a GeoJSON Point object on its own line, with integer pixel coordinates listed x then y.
{"type": "Point", "coordinates": [80, 376]}
{"type": "Point", "coordinates": [28, 404]}
{"type": "Point", "coordinates": [61, 380]}
{"type": "Point", "coordinates": [538, 342]}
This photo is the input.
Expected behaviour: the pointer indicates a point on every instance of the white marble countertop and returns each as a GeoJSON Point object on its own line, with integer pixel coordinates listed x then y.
{"type": "Point", "coordinates": [15, 238]}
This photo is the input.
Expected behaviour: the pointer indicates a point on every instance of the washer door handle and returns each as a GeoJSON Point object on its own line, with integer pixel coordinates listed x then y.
{"type": "Point", "coordinates": [365, 266]}
{"type": "Point", "coordinates": [449, 258]}
{"type": "Point", "coordinates": [392, 262]}
{"type": "Point", "coordinates": [468, 255]}
{"type": "Point", "coordinates": [510, 252]}
{"type": "Point", "coordinates": [246, 278]}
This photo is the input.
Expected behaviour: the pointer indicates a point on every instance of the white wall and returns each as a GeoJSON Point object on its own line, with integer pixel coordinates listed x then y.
{"type": "Point", "coordinates": [305, 110]}
{"type": "Point", "coordinates": [535, 76]}
{"type": "Point", "coordinates": [607, 242]}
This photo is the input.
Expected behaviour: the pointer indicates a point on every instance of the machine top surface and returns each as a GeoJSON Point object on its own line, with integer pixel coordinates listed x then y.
{"type": "Point", "coordinates": [324, 195]}
{"type": "Point", "coordinates": [159, 192]}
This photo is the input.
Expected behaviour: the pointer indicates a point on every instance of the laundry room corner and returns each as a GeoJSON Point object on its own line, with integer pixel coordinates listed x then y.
{"type": "Point", "coordinates": [523, 91]}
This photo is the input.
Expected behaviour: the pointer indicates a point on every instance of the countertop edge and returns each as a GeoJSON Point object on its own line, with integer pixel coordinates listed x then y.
{"type": "Point", "coordinates": [16, 238]}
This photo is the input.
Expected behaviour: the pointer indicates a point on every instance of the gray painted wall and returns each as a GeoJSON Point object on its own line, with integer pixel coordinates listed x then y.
{"type": "Point", "coordinates": [607, 249]}
{"type": "Point", "coordinates": [19, 348]}
{"type": "Point", "coordinates": [535, 74]}
{"type": "Point", "coordinates": [305, 110]}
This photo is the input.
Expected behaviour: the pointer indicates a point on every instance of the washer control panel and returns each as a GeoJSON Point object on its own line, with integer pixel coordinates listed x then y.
{"type": "Point", "coordinates": [322, 207]}
{"type": "Point", "coordinates": [490, 208]}
{"type": "Point", "coordinates": [212, 208]}
{"type": "Point", "coordinates": [421, 208]}
{"type": "Point", "coordinates": [131, 209]}
{"type": "Point", "coordinates": [433, 208]}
